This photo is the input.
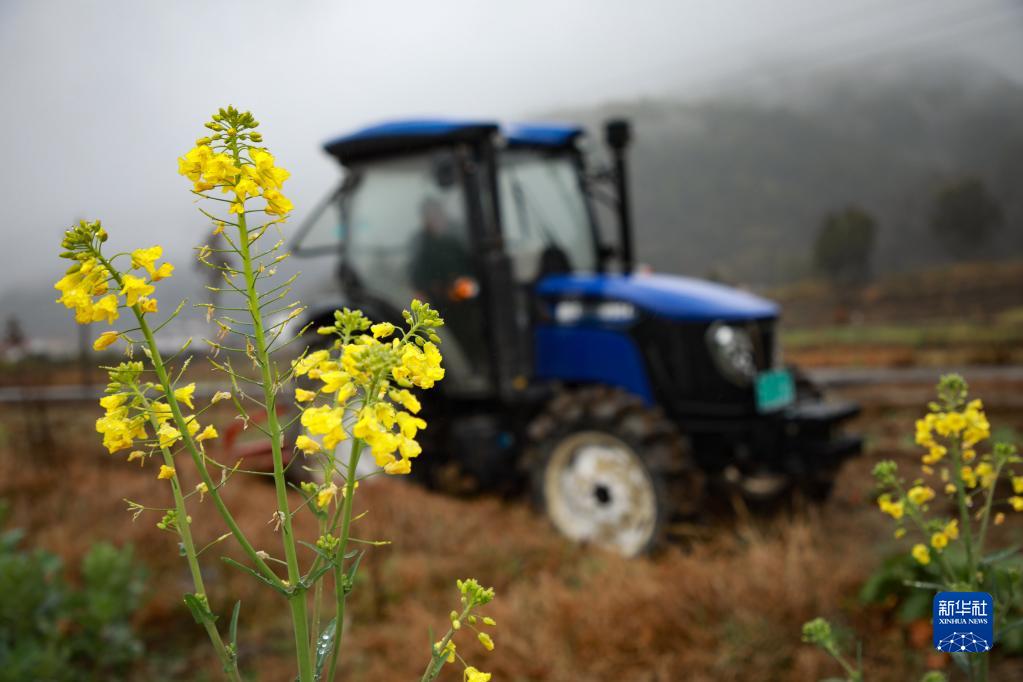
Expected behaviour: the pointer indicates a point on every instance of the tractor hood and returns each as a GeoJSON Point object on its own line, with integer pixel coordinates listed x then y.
{"type": "Point", "coordinates": [671, 296]}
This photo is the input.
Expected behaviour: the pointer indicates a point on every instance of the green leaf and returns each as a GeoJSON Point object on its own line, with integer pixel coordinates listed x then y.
{"type": "Point", "coordinates": [200, 609]}
{"type": "Point", "coordinates": [233, 631]}
{"type": "Point", "coordinates": [1000, 555]}
{"type": "Point", "coordinates": [350, 576]}
{"type": "Point", "coordinates": [325, 645]}
{"type": "Point", "coordinates": [962, 661]}
{"type": "Point", "coordinates": [924, 585]}
{"type": "Point", "coordinates": [257, 576]}
{"type": "Point", "coordinates": [1002, 631]}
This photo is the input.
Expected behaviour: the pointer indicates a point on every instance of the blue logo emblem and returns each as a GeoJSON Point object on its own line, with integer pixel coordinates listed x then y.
{"type": "Point", "coordinates": [964, 622]}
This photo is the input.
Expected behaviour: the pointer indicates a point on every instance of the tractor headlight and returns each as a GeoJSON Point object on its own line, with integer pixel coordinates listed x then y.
{"type": "Point", "coordinates": [732, 350]}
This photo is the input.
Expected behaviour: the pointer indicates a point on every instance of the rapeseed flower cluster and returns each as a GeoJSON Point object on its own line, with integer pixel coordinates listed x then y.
{"type": "Point", "coordinates": [132, 419]}
{"type": "Point", "coordinates": [93, 288]}
{"type": "Point", "coordinates": [473, 596]}
{"type": "Point", "coordinates": [231, 159]}
{"type": "Point", "coordinates": [950, 434]}
{"type": "Point", "coordinates": [369, 375]}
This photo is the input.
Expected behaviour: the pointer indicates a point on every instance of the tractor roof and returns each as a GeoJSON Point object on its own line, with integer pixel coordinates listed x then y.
{"type": "Point", "coordinates": [397, 137]}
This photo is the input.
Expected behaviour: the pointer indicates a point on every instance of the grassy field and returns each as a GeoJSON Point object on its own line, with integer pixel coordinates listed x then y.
{"type": "Point", "coordinates": [726, 607]}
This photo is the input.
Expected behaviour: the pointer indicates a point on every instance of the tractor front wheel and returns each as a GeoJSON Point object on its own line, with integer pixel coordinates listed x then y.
{"type": "Point", "coordinates": [611, 471]}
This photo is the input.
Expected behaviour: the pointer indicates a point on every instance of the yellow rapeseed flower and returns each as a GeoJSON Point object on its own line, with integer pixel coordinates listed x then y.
{"type": "Point", "coordinates": [322, 420]}
{"type": "Point", "coordinates": [105, 309]}
{"type": "Point", "coordinates": [304, 396]}
{"type": "Point", "coordinates": [105, 340]}
{"type": "Point", "coordinates": [335, 381]}
{"type": "Point", "coordinates": [920, 495]}
{"type": "Point", "coordinates": [486, 641]}
{"type": "Point", "coordinates": [307, 445]}
{"type": "Point", "coordinates": [406, 400]}
{"type": "Point", "coordinates": [168, 435]}
{"type": "Point", "coordinates": [939, 541]}
{"type": "Point", "coordinates": [333, 437]}
{"type": "Point", "coordinates": [986, 474]}
{"type": "Point", "coordinates": [893, 509]}
{"type": "Point", "coordinates": [166, 472]}
{"type": "Point", "coordinates": [135, 287]}
{"type": "Point", "coordinates": [112, 402]}
{"type": "Point", "coordinates": [191, 165]}
{"type": "Point", "coordinates": [921, 554]}
{"type": "Point", "coordinates": [303, 365]}
{"type": "Point", "coordinates": [969, 477]}
{"type": "Point", "coordinates": [471, 674]}
{"type": "Point", "coordinates": [1017, 502]}
{"type": "Point", "coordinates": [184, 395]}
{"type": "Point", "coordinates": [382, 330]}
{"type": "Point", "coordinates": [398, 467]}
{"type": "Point", "coordinates": [146, 258]}
{"type": "Point", "coordinates": [264, 172]}
{"type": "Point", "coordinates": [208, 433]}
{"type": "Point", "coordinates": [326, 495]}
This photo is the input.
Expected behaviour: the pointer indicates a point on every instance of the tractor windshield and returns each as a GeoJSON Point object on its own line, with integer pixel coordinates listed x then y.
{"type": "Point", "coordinates": [406, 233]}
{"type": "Point", "coordinates": [543, 209]}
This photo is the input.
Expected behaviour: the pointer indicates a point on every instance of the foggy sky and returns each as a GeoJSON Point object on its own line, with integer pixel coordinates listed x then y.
{"type": "Point", "coordinates": [97, 99]}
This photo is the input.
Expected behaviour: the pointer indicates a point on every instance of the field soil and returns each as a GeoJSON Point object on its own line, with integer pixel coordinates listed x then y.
{"type": "Point", "coordinates": [725, 604]}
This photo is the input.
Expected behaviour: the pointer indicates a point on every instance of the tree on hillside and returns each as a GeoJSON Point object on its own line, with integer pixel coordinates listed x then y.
{"type": "Point", "coordinates": [964, 214]}
{"type": "Point", "coordinates": [844, 245]}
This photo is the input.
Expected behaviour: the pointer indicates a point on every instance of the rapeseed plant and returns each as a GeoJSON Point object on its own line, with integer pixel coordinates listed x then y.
{"type": "Point", "coordinates": [359, 388]}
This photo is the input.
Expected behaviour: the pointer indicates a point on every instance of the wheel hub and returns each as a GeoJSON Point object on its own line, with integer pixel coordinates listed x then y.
{"type": "Point", "coordinates": [598, 490]}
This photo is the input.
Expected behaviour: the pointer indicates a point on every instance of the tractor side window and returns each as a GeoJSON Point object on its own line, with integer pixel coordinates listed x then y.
{"type": "Point", "coordinates": [406, 236]}
{"type": "Point", "coordinates": [391, 214]}
{"type": "Point", "coordinates": [321, 231]}
{"type": "Point", "coordinates": [543, 214]}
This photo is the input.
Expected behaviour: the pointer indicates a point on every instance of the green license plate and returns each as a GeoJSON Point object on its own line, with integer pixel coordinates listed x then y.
{"type": "Point", "coordinates": [775, 390]}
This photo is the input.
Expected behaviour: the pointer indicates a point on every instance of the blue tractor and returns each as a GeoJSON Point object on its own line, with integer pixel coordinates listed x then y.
{"type": "Point", "coordinates": [617, 397]}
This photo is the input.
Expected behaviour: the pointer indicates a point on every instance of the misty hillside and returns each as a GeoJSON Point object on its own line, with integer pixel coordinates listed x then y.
{"type": "Point", "coordinates": [737, 187]}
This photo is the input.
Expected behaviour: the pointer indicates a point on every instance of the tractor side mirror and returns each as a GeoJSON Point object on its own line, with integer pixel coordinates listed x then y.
{"type": "Point", "coordinates": [617, 134]}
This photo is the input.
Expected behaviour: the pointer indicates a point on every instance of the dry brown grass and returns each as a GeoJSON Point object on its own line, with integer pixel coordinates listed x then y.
{"type": "Point", "coordinates": [727, 608]}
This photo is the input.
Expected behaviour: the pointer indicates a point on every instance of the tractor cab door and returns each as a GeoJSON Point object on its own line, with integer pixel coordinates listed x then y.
{"type": "Point", "coordinates": [401, 227]}
{"type": "Point", "coordinates": [547, 227]}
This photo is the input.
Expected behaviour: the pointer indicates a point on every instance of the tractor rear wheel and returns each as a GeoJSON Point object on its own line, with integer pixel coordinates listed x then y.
{"type": "Point", "coordinates": [611, 471]}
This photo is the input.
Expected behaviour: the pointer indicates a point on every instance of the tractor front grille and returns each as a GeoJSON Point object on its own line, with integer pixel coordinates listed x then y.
{"type": "Point", "coordinates": [685, 377]}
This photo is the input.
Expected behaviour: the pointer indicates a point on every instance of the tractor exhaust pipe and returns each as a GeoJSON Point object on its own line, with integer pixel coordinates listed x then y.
{"type": "Point", "coordinates": [617, 134]}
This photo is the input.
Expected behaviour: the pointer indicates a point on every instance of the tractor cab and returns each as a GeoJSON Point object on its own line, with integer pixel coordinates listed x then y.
{"type": "Point", "coordinates": [468, 217]}
{"type": "Point", "coordinates": [617, 395]}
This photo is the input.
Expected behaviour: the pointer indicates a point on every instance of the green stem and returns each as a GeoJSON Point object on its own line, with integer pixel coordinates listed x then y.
{"type": "Point", "coordinates": [986, 516]}
{"type": "Point", "coordinates": [228, 659]}
{"type": "Point", "coordinates": [317, 597]}
{"type": "Point", "coordinates": [346, 523]}
{"type": "Point", "coordinates": [964, 513]}
{"type": "Point", "coordinates": [915, 517]}
{"type": "Point", "coordinates": [179, 422]}
{"type": "Point", "coordinates": [297, 597]}
{"type": "Point", "coordinates": [433, 668]}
